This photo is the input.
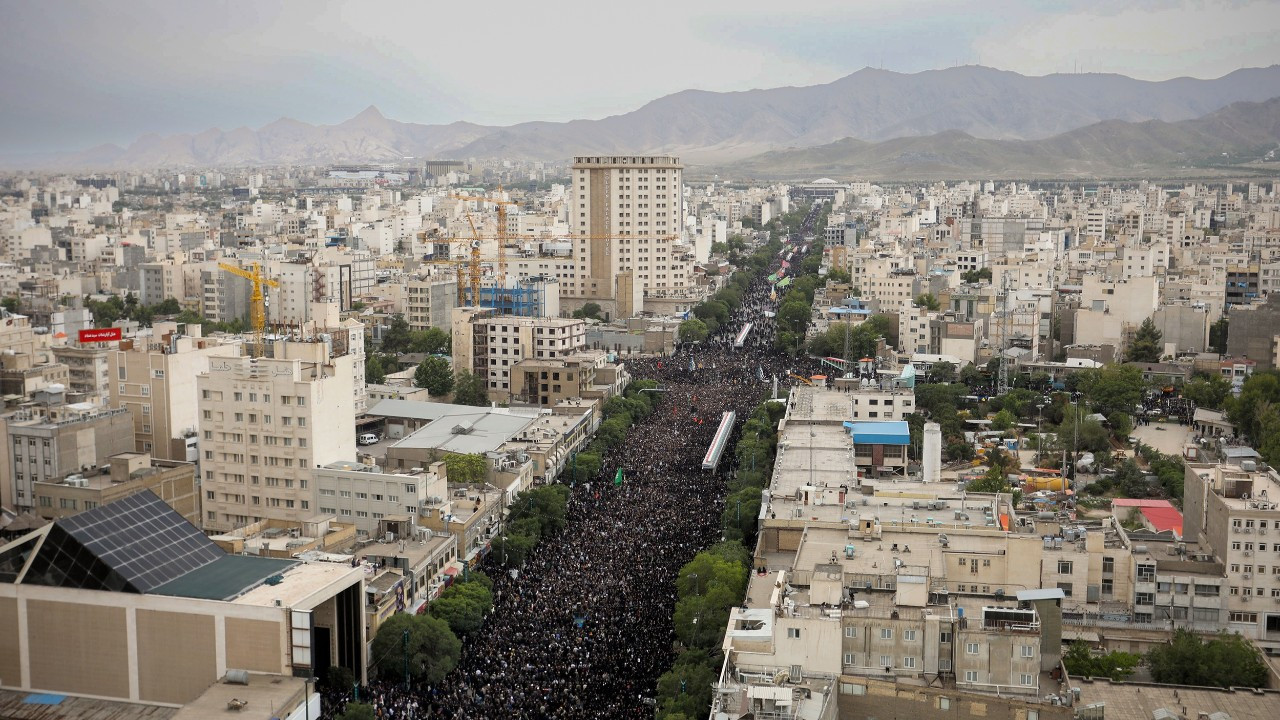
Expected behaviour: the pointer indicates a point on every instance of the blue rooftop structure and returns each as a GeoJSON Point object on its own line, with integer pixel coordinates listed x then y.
{"type": "Point", "coordinates": [879, 432]}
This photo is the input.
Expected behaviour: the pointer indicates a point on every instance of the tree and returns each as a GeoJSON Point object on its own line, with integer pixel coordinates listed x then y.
{"type": "Point", "coordinates": [693, 330]}
{"type": "Point", "coordinates": [684, 691]}
{"type": "Point", "coordinates": [589, 310]}
{"type": "Point", "coordinates": [943, 372]}
{"type": "Point", "coordinates": [794, 316]}
{"type": "Point", "coordinates": [1218, 336]}
{"type": "Point", "coordinates": [1082, 662]}
{"type": "Point", "coordinates": [466, 469]}
{"type": "Point", "coordinates": [512, 549]}
{"type": "Point", "coordinates": [1208, 391]}
{"type": "Point", "coordinates": [463, 606]}
{"type": "Point", "coordinates": [470, 389]}
{"type": "Point", "coordinates": [838, 275]}
{"type": "Point", "coordinates": [373, 369]}
{"type": "Point", "coordinates": [10, 303]}
{"type": "Point", "coordinates": [1257, 396]}
{"type": "Point", "coordinates": [432, 648]}
{"type": "Point", "coordinates": [1115, 388]}
{"type": "Point", "coordinates": [1004, 420]}
{"type": "Point", "coordinates": [395, 339]}
{"type": "Point", "coordinates": [1146, 345]}
{"type": "Point", "coordinates": [435, 374]}
{"type": "Point", "coordinates": [358, 711]}
{"type": "Point", "coordinates": [1227, 660]}
{"type": "Point", "coordinates": [928, 302]}
{"type": "Point", "coordinates": [432, 341]}
{"type": "Point", "coordinates": [976, 276]}
{"type": "Point", "coordinates": [994, 481]}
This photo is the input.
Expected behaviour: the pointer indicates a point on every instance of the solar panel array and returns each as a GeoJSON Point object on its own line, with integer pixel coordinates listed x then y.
{"type": "Point", "coordinates": [142, 539]}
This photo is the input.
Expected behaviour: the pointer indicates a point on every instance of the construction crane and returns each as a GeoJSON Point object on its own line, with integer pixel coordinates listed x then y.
{"type": "Point", "coordinates": [502, 238]}
{"type": "Point", "coordinates": [257, 301]}
{"type": "Point", "coordinates": [457, 265]}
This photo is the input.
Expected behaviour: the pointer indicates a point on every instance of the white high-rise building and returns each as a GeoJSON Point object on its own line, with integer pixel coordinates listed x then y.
{"type": "Point", "coordinates": [265, 424]}
{"type": "Point", "coordinates": [626, 218]}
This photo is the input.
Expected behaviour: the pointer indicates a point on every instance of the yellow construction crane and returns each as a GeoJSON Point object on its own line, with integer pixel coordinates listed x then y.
{"type": "Point", "coordinates": [457, 264]}
{"type": "Point", "coordinates": [257, 301]}
{"type": "Point", "coordinates": [502, 238]}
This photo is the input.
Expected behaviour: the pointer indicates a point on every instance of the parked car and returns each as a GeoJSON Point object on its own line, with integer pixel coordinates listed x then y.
{"type": "Point", "coordinates": [368, 439]}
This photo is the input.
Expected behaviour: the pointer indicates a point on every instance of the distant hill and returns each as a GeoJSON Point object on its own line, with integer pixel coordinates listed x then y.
{"type": "Point", "coordinates": [1239, 133]}
{"type": "Point", "coordinates": [717, 127]}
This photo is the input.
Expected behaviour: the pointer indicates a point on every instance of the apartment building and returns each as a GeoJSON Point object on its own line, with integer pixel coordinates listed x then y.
{"type": "Point", "coordinates": [363, 494]}
{"type": "Point", "coordinates": [872, 403]}
{"type": "Point", "coordinates": [155, 378]}
{"type": "Point", "coordinates": [125, 474]}
{"type": "Point", "coordinates": [626, 217]}
{"type": "Point", "coordinates": [47, 439]}
{"type": "Point", "coordinates": [491, 345]}
{"type": "Point", "coordinates": [88, 371]}
{"type": "Point", "coordinates": [265, 424]}
{"type": "Point", "coordinates": [1233, 511]}
{"type": "Point", "coordinates": [429, 301]}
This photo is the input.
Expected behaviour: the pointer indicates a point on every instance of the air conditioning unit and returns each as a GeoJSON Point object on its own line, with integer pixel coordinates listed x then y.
{"type": "Point", "coordinates": [1248, 553]}
{"type": "Point", "coordinates": [1247, 576]}
{"type": "Point", "coordinates": [1235, 529]}
{"type": "Point", "coordinates": [1262, 531]}
{"type": "Point", "coordinates": [1245, 598]}
{"type": "Point", "coordinates": [1248, 531]}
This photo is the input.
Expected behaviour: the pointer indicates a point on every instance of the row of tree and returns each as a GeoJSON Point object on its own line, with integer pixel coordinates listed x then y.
{"type": "Point", "coordinates": [1225, 660]}
{"type": "Point", "coordinates": [714, 581]}
{"type": "Point", "coordinates": [754, 452]}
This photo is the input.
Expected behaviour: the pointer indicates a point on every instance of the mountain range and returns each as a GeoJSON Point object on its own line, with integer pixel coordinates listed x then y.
{"type": "Point", "coordinates": [961, 106]}
{"type": "Point", "coordinates": [1243, 136]}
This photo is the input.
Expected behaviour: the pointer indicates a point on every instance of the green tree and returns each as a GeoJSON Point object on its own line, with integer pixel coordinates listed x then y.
{"type": "Point", "coordinates": [928, 302]}
{"type": "Point", "coordinates": [1146, 345]}
{"type": "Point", "coordinates": [1218, 336]}
{"type": "Point", "coordinates": [10, 303]}
{"type": "Point", "coordinates": [794, 316]}
{"type": "Point", "coordinates": [1082, 662]}
{"type": "Point", "coordinates": [1208, 391]}
{"type": "Point", "coordinates": [435, 374]}
{"type": "Point", "coordinates": [358, 711]}
{"type": "Point", "coordinates": [1258, 394]}
{"type": "Point", "coordinates": [1093, 436]}
{"type": "Point", "coordinates": [374, 372]}
{"type": "Point", "coordinates": [512, 549]}
{"type": "Point", "coordinates": [684, 691]}
{"type": "Point", "coordinates": [838, 275]}
{"type": "Point", "coordinates": [1227, 660]}
{"type": "Point", "coordinates": [994, 481]}
{"type": "Point", "coordinates": [589, 310]}
{"type": "Point", "coordinates": [432, 341]}
{"type": "Point", "coordinates": [942, 372]}
{"type": "Point", "coordinates": [1004, 420]}
{"type": "Point", "coordinates": [693, 330]}
{"type": "Point", "coordinates": [395, 338]}
{"type": "Point", "coordinates": [463, 606]}
{"type": "Point", "coordinates": [432, 649]}
{"type": "Point", "coordinates": [1114, 388]}
{"type": "Point", "coordinates": [470, 389]}
{"type": "Point", "coordinates": [466, 469]}
{"type": "Point", "coordinates": [976, 276]}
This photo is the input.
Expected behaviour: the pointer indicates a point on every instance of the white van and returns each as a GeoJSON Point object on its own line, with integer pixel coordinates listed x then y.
{"type": "Point", "coordinates": [368, 439]}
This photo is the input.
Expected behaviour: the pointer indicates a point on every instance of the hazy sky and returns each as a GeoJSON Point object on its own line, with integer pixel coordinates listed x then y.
{"type": "Point", "coordinates": [81, 72]}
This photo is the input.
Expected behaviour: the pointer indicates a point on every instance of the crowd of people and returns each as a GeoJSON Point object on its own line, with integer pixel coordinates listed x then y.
{"type": "Point", "coordinates": [584, 629]}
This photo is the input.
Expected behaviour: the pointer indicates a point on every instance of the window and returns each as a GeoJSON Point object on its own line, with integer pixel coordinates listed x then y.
{"type": "Point", "coordinates": [851, 632]}
{"type": "Point", "coordinates": [908, 634]}
{"type": "Point", "coordinates": [944, 637]}
{"type": "Point", "coordinates": [1065, 588]}
{"type": "Point", "coordinates": [886, 633]}
{"type": "Point", "coordinates": [1027, 679]}
{"type": "Point", "coordinates": [1027, 651]}
{"type": "Point", "coordinates": [1108, 586]}
{"type": "Point", "coordinates": [793, 633]}
{"type": "Point", "coordinates": [849, 659]}
{"type": "Point", "coordinates": [971, 648]}
{"type": "Point", "coordinates": [971, 676]}
{"type": "Point", "coordinates": [886, 662]}
{"type": "Point", "coordinates": [1064, 567]}
{"type": "Point", "coordinates": [1144, 598]}
{"type": "Point", "coordinates": [908, 662]}
{"type": "Point", "coordinates": [1146, 573]}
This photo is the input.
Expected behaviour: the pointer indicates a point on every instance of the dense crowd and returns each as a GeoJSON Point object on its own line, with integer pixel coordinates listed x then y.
{"type": "Point", "coordinates": [584, 629]}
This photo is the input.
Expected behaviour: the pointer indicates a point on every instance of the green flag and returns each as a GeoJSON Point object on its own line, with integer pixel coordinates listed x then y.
{"type": "Point", "coordinates": [617, 479]}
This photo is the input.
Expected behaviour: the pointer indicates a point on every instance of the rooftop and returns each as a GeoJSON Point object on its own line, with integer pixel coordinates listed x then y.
{"type": "Point", "coordinates": [1141, 700]}
{"type": "Point", "coordinates": [477, 430]}
{"type": "Point", "coordinates": [266, 695]}
{"type": "Point", "coordinates": [47, 706]}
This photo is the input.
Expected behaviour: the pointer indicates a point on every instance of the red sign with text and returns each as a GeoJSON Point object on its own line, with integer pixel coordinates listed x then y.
{"type": "Point", "coordinates": [100, 335]}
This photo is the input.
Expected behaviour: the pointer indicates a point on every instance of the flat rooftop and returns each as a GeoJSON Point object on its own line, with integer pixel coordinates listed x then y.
{"type": "Point", "coordinates": [1124, 700]}
{"type": "Point", "coordinates": [17, 705]}
{"type": "Point", "coordinates": [300, 584]}
{"type": "Point", "coordinates": [226, 578]}
{"type": "Point", "coordinates": [266, 695]}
